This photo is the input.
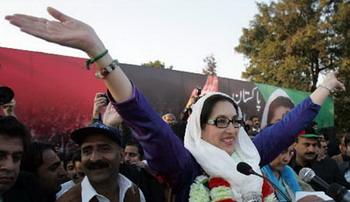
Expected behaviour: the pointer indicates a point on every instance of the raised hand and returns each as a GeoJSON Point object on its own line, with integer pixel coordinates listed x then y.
{"type": "Point", "coordinates": [67, 31]}
{"type": "Point", "coordinates": [332, 83]}
{"type": "Point", "coordinates": [111, 117]}
{"type": "Point", "coordinates": [329, 85]}
{"type": "Point", "coordinates": [100, 101]}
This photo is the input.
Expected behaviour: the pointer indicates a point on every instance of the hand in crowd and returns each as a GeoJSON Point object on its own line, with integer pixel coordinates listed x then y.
{"type": "Point", "coordinates": [9, 108]}
{"type": "Point", "coordinates": [67, 31]}
{"type": "Point", "coordinates": [193, 98]}
{"type": "Point", "coordinates": [100, 101]}
{"type": "Point", "coordinates": [140, 164]}
{"type": "Point", "coordinates": [111, 117]}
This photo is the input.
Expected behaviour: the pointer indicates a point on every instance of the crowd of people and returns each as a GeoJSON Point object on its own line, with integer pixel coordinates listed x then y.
{"type": "Point", "coordinates": [130, 153]}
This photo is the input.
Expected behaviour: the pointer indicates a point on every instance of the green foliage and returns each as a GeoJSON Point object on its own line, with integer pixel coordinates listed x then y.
{"type": "Point", "coordinates": [156, 64]}
{"type": "Point", "coordinates": [290, 42]}
{"type": "Point", "coordinates": [210, 68]}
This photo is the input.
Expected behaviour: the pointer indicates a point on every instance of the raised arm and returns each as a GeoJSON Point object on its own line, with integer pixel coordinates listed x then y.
{"type": "Point", "coordinates": [272, 140]}
{"type": "Point", "coordinates": [73, 33]}
{"type": "Point", "coordinates": [164, 151]}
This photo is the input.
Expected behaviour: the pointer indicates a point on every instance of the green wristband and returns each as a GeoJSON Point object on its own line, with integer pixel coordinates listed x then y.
{"type": "Point", "coordinates": [93, 60]}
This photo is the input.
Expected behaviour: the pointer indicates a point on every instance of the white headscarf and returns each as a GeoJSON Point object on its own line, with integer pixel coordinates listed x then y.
{"type": "Point", "coordinates": [217, 162]}
{"type": "Point", "coordinates": [277, 93]}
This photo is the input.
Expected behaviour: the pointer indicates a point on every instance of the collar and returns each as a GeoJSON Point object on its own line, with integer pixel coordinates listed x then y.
{"type": "Point", "coordinates": [88, 191]}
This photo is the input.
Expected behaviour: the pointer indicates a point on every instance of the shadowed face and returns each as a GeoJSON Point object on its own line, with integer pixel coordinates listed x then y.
{"type": "Point", "coordinates": [283, 159]}
{"type": "Point", "coordinates": [51, 173]}
{"type": "Point", "coordinates": [131, 154]}
{"type": "Point", "coordinates": [278, 114]}
{"type": "Point", "coordinates": [11, 151]}
{"type": "Point", "coordinates": [75, 171]}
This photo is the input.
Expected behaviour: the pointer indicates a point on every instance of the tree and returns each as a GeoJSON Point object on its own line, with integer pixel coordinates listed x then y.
{"type": "Point", "coordinates": [289, 43]}
{"type": "Point", "coordinates": [341, 25]}
{"type": "Point", "coordinates": [210, 68]}
{"type": "Point", "coordinates": [156, 64]}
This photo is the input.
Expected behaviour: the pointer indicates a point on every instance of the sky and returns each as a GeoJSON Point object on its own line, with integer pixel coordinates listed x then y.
{"type": "Point", "coordinates": [180, 33]}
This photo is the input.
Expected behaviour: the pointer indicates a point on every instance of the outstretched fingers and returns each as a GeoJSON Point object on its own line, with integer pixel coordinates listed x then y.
{"type": "Point", "coordinates": [30, 24]}
{"type": "Point", "coordinates": [340, 87]}
{"type": "Point", "coordinates": [58, 15]}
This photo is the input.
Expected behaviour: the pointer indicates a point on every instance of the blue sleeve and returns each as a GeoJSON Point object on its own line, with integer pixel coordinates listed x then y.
{"type": "Point", "coordinates": [272, 140]}
{"type": "Point", "coordinates": [163, 150]}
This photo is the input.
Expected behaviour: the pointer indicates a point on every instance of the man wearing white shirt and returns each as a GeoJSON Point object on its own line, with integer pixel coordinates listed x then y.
{"type": "Point", "coordinates": [100, 158]}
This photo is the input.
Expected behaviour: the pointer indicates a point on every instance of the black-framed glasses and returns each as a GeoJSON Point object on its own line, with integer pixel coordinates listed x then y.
{"type": "Point", "coordinates": [223, 122]}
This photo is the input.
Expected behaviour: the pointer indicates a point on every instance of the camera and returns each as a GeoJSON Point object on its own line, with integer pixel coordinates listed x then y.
{"type": "Point", "coordinates": [199, 91]}
{"type": "Point", "coordinates": [106, 97]}
{"type": "Point", "coordinates": [6, 95]}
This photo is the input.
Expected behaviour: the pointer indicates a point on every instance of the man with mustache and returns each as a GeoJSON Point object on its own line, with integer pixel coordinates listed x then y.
{"type": "Point", "coordinates": [307, 146]}
{"type": "Point", "coordinates": [101, 153]}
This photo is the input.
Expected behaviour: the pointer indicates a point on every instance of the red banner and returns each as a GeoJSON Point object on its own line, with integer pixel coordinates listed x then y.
{"type": "Point", "coordinates": [53, 93]}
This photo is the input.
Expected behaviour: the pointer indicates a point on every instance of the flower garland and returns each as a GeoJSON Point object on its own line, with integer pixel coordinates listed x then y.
{"type": "Point", "coordinates": [217, 189]}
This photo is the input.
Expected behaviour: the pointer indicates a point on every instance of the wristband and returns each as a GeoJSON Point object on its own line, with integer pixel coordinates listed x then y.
{"type": "Point", "coordinates": [93, 60]}
{"type": "Point", "coordinates": [325, 87]}
{"type": "Point", "coordinates": [105, 71]}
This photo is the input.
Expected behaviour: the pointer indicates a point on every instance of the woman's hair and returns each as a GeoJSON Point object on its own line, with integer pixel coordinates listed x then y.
{"type": "Point", "coordinates": [280, 101]}
{"type": "Point", "coordinates": [209, 104]}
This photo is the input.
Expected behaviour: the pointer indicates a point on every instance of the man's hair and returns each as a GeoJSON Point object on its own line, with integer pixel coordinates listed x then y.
{"type": "Point", "coordinates": [209, 104]}
{"type": "Point", "coordinates": [11, 127]}
{"type": "Point", "coordinates": [74, 155]}
{"type": "Point", "coordinates": [34, 157]}
{"type": "Point", "coordinates": [345, 139]}
{"type": "Point", "coordinates": [278, 102]}
{"type": "Point", "coordinates": [252, 117]}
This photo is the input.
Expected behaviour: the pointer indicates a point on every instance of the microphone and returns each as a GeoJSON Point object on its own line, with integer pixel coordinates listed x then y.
{"type": "Point", "coordinates": [308, 175]}
{"type": "Point", "coordinates": [336, 191]}
{"type": "Point", "coordinates": [246, 169]}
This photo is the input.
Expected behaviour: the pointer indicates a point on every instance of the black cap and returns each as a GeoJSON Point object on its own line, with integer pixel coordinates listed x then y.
{"type": "Point", "coordinates": [79, 135]}
{"type": "Point", "coordinates": [6, 95]}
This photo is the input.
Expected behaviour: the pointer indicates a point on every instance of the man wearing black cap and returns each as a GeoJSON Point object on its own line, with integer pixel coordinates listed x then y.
{"type": "Point", "coordinates": [100, 158]}
{"type": "Point", "coordinates": [306, 147]}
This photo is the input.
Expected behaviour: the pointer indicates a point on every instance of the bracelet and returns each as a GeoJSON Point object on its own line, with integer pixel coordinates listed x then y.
{"type": "Point", "coordinates": [325, 87]}
{"type": "Point", "coordinates": [105, 71]}
{"type": "Point", "coordinates": [93, 60]}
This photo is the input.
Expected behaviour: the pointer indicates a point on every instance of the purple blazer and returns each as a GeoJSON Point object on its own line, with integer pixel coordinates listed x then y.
{"type": "Point", "coordinates": [166, 154]}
